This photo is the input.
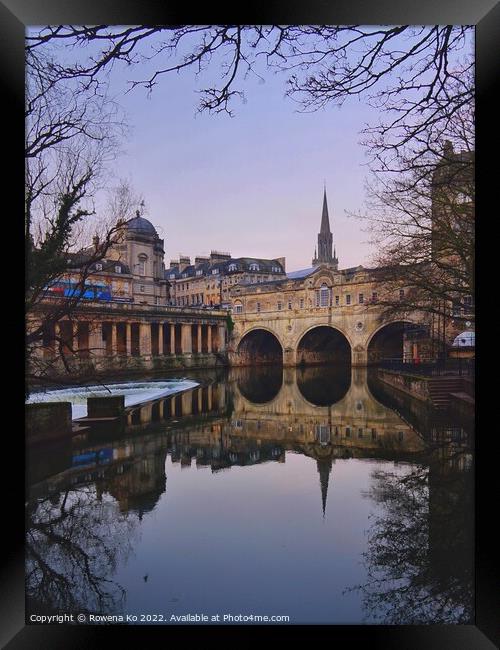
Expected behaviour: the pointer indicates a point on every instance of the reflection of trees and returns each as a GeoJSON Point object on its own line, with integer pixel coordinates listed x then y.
{"type": "Point", "coordinates": [419, 560]}
{"type": "Point", "coordinates": [74, 544]}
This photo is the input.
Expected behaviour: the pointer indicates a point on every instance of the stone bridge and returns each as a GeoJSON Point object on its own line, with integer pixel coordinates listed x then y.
{"type": "Point", "coordinates": [357, 334]}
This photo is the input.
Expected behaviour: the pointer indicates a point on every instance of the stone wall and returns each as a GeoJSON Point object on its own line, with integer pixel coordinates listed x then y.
{"type": "Point", "coordinates": [412, 384]}
{"type": "Point", "coordinates": [47, 421]}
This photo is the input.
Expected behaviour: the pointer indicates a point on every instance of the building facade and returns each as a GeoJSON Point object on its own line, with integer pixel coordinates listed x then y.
{"type": "Point", "coordinates": [209, 280]}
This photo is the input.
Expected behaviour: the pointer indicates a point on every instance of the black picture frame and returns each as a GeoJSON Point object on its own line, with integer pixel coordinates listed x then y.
{"type": "Point", "coordinates": [485, 14]}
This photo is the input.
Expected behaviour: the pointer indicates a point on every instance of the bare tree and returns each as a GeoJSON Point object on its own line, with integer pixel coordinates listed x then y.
{"type": "Point", "coordinates": [72, 133]}
{"type": "Point", "coordinates": [422, 225]}
{"type": "Point", "coordinates": [411, 73]}
{"type": "Point", "coordinates": [74, 544]}
{"type": "Point", "coordinates": [419, 558]}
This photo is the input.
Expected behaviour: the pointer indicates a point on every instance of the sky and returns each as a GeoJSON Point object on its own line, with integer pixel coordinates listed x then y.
{"type": "Point", "coordinates": [251, 184]}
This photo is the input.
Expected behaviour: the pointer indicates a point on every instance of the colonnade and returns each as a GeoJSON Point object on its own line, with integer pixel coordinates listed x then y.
{"type": "Point", "coordinates": [85, 337]}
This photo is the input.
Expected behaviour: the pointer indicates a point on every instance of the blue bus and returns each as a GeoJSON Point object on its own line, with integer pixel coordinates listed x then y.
{"type": "Point", "coordinates": [87, 291]}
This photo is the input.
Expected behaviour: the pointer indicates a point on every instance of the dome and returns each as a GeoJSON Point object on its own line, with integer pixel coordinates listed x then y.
{"type": "Point", "coordinates": [141, 226]}
{"type": "Point", "coordinates": [465, 339]}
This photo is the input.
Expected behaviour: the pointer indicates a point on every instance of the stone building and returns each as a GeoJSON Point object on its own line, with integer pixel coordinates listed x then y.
{"type": "Point", "coordinates": [133, 269]}
{"type": "Point", "coordinates": [209, 280]}
{"type": "Point", "coordinates": [142, 251]}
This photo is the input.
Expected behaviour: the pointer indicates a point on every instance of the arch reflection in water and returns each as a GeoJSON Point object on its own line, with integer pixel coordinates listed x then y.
{"type": "Point", "coordinates": [259, 385]}
{"type": "Point", "coordinates": [324, 386]}
{"type": "Point", "coordinates": [298, 468]}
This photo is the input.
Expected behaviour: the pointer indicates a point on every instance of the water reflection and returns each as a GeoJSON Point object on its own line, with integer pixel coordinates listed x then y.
{"type": "Point", "coordinates": [411, 467]}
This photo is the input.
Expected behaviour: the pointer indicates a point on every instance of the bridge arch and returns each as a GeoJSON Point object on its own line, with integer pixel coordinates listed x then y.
{"type": "Point", "coordinates": [259, 345]}
{"type": "Point", "coordinates": [386, 342]}
{"type": "Point", "coordinates": [323, 344]}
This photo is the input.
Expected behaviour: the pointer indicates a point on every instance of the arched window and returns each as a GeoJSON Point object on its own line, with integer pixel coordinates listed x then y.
{"type": "Point", "coordinates": [141, 266]}
{"type": "Point", "coordinates": [232, 267]}
{"type": "Point", "coordinates": [324, 296]}
{"type": "Point", "coordinates": [254, 267]}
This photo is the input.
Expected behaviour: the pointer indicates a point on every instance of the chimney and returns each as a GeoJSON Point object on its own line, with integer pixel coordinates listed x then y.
{"type": "Point", "coordinates": [184, 261]}
{"type": "Point", "coordinates": [281, 260]}
{"type": "Point", "coordinates": [174, 264]}
{"type": "Point", "coordinates": [201, 259]}
{"type": "Point", "coordinates": [219, 256]}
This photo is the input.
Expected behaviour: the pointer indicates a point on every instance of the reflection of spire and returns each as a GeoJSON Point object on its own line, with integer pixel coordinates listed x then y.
{"type": "Point", "coordinates": [324, 468]}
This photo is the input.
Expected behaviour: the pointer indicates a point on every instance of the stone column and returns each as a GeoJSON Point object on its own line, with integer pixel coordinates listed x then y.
{"type": "Point", "coordinates": [95, 339]}
{"type": "Point", "coordinates": [186, 340]}
{"type": "Point", "coordinates": [199, 338]}
{"type": "Point", "coordinates": [359, 356]}
{"type": "Point", "coordinates": [128, 338]}
{"type": "Point", "coordinates": [209, 338]}
{"type": "Point", "coordinates": [113, 339]}
{"type": "Point", "coordinates": [172, 338]}
{"type": "Point", "coordinates": [74, 343]}
{"type": "Point", "coordinates": [145, 339]}
{"type": "Point", "coordinates": [160, 339]}
{"type": "Point", "coordinates": [222, 338]}
{"type": "Point", "coordinates": [186, 402]}
{"type": "Point", "coordinates": [209, 397]}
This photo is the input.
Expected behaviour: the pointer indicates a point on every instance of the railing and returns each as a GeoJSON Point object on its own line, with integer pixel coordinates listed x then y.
{"type": "Point", "coordinates": [430, 367]}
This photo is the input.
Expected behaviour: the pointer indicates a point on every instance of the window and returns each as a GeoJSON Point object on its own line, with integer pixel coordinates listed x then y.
{"type": "Point", "coordinates": [258, 306]}
{"type": "Point", "coordinates": [302, 303]}
{"type": "Point", "coordinates": [401, 294]}
{"type": "Point", "coordinates": [232, 267]}
{"type": "Point", "coordinates": [98, 266]}
{"type": "Point", "coordinates": [199, 272]}
{"type": "Point", "coordinates": [374, 434]}
{"type": "Point", "coordinates": [348, 299]}
{"type": "Point", "coordinates": [360, 433]}
{"type": "Point", "coordinates": [289, 304]}
{"type": "Point", "coordinates": [238, 308]}
{"type": "Point", "coordinates": [142, 288]}
{"type": "Point", "coordinates": [361, 299]}
{"type": "Point", "coordinates": [172, 276]}
{"type": "Point", "coordinates": [215, 271]}
{"type": "Point", "coordinates": [141, 265]}
{"type": "Point", "coordinates": [279, 306]}
{"type": "Point", "coordinates": [337, 301]}
{"type": "Point", "coordinates": [400, 436]}
{"type": "Point", "coordinates": [118, 269]}
{"type": "Point", "coordinates": [157, 300]}
{"type": "Point", "coordinates": [254, 267]}
{"type": "Point", "coordinates": [374, 296]}
{"type": "Point", "coordinates": [324, 296]}
{"type": "Point", "coordinates": [348, 432]}
{"type": "Point", "coordinates": [125, 287]}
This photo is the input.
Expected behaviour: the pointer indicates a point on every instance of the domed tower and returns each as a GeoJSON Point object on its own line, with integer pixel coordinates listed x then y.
{"type": "Point", "coordinates": [143, 251]}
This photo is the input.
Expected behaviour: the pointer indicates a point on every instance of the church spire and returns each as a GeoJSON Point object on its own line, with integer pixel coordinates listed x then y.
{"type": "Point", "coordinates": [325, 238]}
{"type": "Point", "coordinates": [325, 220]}
{"type": "Point", "coordinates": [324, 466]}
